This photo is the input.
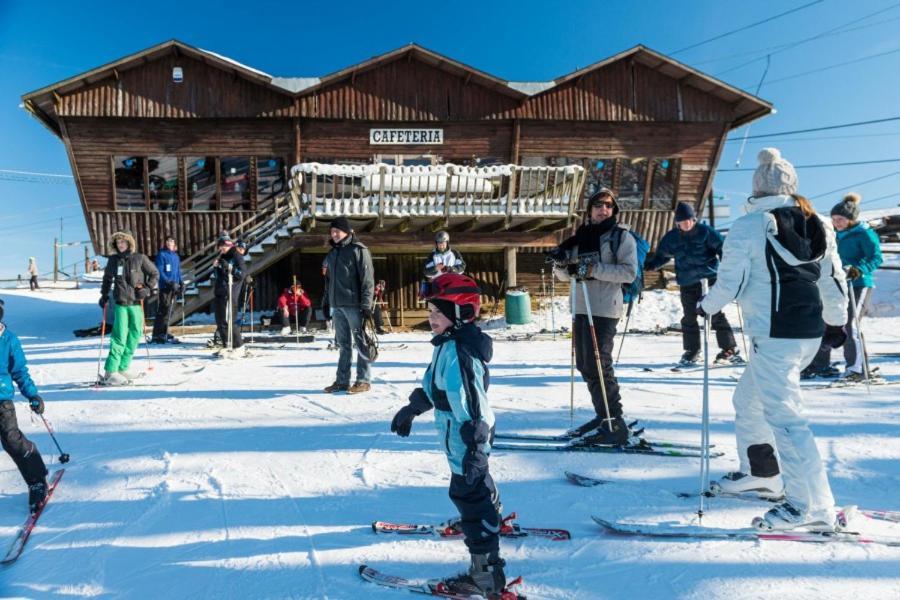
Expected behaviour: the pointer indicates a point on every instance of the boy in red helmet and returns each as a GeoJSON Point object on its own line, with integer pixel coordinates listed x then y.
{"type": "Point", "coordinates": [455, 384]}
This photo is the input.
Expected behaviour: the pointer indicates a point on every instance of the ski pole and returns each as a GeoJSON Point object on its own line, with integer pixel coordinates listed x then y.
{"type": "Point", "coordinates": [63, 456]}
{"type": "Point", "coordinates": [229, 312]}
{"type": "Point", "coordinates": [296, 312]}
{"type": "Point", "coordinates": [704, 429]}
{"type": "Point", "coordinates": [862, 342]}
{"type": "Point", "coordinates": [102, 334]}
{"type": "Point", "coordinates": [590, 317]}
{"type": "Point", "coordinates": [553, 303]}
{"type": "Point", "coordinates": [250, 302]}
{"type": "Point", "coordinates": [146, 345]}
{"type": "Point", "coordinates": [182, 309]}
{"type": "Point", "coordinates": [743, 337]}
{"type": "Point", "coordinates": [572, 292]}
{"type": "Point", "coordinates": [625, 332]}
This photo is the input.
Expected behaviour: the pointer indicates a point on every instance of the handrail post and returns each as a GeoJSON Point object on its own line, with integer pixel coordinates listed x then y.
{"type": "Point", "coordinates": [511, 192]}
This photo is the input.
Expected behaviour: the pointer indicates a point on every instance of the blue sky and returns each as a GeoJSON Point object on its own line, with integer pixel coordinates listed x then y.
{"type": "Point", "coordinates": [41, 43]}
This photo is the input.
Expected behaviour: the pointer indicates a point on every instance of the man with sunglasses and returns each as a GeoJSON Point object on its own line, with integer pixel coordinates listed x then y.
{"type": "Point", "coordinates": [599, 258]}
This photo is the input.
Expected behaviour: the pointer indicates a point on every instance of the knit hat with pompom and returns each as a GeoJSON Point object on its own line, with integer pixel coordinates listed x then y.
{"type": "Point", "coordinates": [848, 207]}
{"type": "Point", "coordinates": [774, 176]}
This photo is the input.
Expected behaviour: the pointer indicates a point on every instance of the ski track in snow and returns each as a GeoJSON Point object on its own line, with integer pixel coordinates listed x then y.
{"type": "Point", "coordinates": [247, 481]}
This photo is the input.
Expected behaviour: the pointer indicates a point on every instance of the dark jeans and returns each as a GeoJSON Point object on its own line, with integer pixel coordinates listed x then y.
{"type": "Point", "coordinates": [164, 305]}
{"type": "Point", "coordinates": [852, 354]}
{"type": "Point", "coordinates": [220, 304]}
{"type": "Point", "coordinates": [479, 517]}
{"type": "Point", "coordinates": [23, 452]}
{"type": "Point", "coordinates": [586, 363]}
{"type": "Point", "coordinates": [690, 329]}
{"type": "Point", "coordinates": [33, 283]}
{"type": "Point", "coordinates": [378, 318]}
{"type": "Point", "coordinates": [348, 331]}
{"type": "Point", "coordinates": [303, 318]}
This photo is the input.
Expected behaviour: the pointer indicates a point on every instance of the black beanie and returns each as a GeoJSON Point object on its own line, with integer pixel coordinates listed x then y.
{"type": "Point", "coordinates": [684, 212]}
{"type": "Point", "coordinates": [341, 223]}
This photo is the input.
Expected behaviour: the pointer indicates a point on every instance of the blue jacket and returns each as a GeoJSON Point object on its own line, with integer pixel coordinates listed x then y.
{"type": "Point", "coordinates": [696, 253]}
{"type": "Point", "coordinates": [456, 383]}
{"type": "Point", "coordinates": [168, 264]}
{"type": "Point", "coordinates": [859, 247]}
{"type": "Point", "coordinates": [13, 367]}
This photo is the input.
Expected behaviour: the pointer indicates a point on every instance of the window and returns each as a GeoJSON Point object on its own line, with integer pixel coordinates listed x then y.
{"type": "Point", "coordinates": [632, 181]}
{"type": "Point", "coordinates": [599, 173]}
{"type": "Point", "coordinates": [163, 182]}
{"type": "Point", "coordinates": [665, 176]}
{"type": "Point", "coordinates": [269, 178]}
{"type": "Point", "coordinates": [235, 174]}
{"type": "Point", "coordinates": [201, 182]}
{"type": "Point", "coordinates": [129, 176]}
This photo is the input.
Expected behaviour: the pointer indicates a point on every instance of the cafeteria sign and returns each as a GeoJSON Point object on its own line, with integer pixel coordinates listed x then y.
{"type": "Point", "coordinates": [387, 137]}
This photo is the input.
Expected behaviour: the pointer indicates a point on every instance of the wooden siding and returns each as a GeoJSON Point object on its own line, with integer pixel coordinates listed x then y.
{"type": "Point", "coordinates": [149, 92]}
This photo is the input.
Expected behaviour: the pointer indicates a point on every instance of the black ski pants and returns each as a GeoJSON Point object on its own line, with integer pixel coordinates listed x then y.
{"type": "Point", "coordinates": [23, 452]}
{"type": "Point", "coordinates": [220, 305]}
{"type": "Point", "coordinates": [690, 329]}
{"type": "Point", "coordinates": [303, 318]}
{"type": "Point", "coordinates": [586, 363]}
{"type": "Point", "coordinates": [478, 506]}
{"type": "Point", "coordinates": [164, 304]}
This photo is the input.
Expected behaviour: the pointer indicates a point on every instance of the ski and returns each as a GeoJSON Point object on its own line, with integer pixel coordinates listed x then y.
{"type": "Point", "coordinates": [708, 533]}
{"type": "Point", "coordinates": [691, 369]}
{"type": "Point", "coordinates": [636, 449]}
{"type": "Point", "coordinates": [450, 529]}
{"type": "Point", "coordinates": [18, 543]}
{"type": "Point", "coordinates": [842, 383]}
{"type": "Point", "coordinates": [431, 588]}
{"type": "Point", "coordinates": [566, 438]}
{"type": "Point", "coordinates": [303, 338]}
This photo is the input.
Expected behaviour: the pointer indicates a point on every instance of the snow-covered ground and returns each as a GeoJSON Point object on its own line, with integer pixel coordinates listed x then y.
{"type": "Point", "coordinates": [245, 481]}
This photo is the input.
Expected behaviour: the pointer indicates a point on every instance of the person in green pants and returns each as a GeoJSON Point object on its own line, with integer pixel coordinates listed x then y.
{"type": "Point", "coordinates": [132, 277]}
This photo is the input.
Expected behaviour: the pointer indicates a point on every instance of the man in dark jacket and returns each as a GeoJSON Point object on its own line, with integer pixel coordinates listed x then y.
{"type": "Point", "coordinates": [696, 248]}
{"type": "Point", "coordinates": [168, 263]}
{"type": "Point", "coordinates": [134, 277]}
{"type": "Point", "coordinates": [350, 293]}
{"type": "Point", "coordinates": [225, 299]}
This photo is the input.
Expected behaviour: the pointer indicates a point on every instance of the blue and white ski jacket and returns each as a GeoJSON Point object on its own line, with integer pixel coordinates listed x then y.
{"type": "Point", "coordinates": [13, 367]}
{"type": "Point", "coordinates": [456, 383]}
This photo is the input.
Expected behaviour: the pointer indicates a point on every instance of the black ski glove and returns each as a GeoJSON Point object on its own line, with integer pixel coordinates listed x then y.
{"type": "Point", "coordinates": [37, 404]}
{"type": "Point", "coordinates": [366, 313]}
{"type": "Point", "coordinates": [142, 293]}
{"type": "Point", "coordinates": [103, 301]}
{"type": "Point", "coordinates": [402, 421]}
{"type": "Point", "coordinates": [475, 434]}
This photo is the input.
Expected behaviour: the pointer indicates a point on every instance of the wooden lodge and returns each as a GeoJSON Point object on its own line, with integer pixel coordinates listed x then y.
{"type": "Point", "coordinates": [182, 141]}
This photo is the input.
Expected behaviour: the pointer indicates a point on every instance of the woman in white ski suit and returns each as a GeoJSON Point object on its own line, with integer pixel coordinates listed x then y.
{"type": "Point", "coordinates": [780, 263]}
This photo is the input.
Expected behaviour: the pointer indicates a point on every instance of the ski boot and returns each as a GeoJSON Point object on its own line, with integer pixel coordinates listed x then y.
{"type": "Point", "coordinates": [131, 375]}
{"type": "Point", "coordinates": [37, 493]}
{"type": "Point", "coordinates": [732, 356]}
{"type": "Point", "coordinates": [584, 428]}
{"type": "Point", "coordinates": [286, 330]}
{"type": "Point", "coordinates": [690, 358]}
{"type": "Point", "coordinates": [171, 339]}
{"type": "Point", "coordinates": [485, 578]}
{"type": "Point", "coordinates": [737, 483]}
{"type": "Point", "coordinates": [786, 516]}
{"type": "Point", "coordinates": [113, 380]}
{"type": "Point", "coordinates": [609, 433]}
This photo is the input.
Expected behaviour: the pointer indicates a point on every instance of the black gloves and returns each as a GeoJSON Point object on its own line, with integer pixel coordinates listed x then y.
{"type": "Point", "coordinates": [853, 273]}
{"type": "Point", "coordinates": [572, 270]}
{"type": "Point", "coordinates": [366, 313]}
{"type": "Point", "coordinates": [834, 337]}
{"type": "Point", "coordinates": [418, 404]}
{"type": "Point", "coordinates": [37, 404]}
{"type": "Point", "coordinates": [475, 434]}
{"type": "Point", "coordinates": [142, 293]}
{"type": "Point", "coordinates": [103, 301]}
{"type": "Point", "coordinates": [699, 308]}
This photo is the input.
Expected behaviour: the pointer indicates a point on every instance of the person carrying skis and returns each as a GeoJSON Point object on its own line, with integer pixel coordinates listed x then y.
{"type": "Point", "coordinates": [780, 263]}
{"type": "Point", "coordinates": [14, 368]}
{"type": "Point", "coordinates": [443, 259]}
{"type": "Point", "coordinates": [600, 257]}
{"type": "Point", "coordinates": [696, 248]}
{"type": "Point", "coordinates": [294, 306]}
{"type": "Point", "coordinates": [225, 299]}
{"type": "Point", "coordinates": [455, 384]}
{"type": "Point", "coordinates": [168, 263]}
{"type": "Point", "coordinates": [133, 278]}
{"type": "Point", "coordinates": [860, 251]}
{"type": "Point", "coordinates": [350, 292]}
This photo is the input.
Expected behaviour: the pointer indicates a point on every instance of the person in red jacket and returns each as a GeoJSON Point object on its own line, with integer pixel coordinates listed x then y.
{"type": "Point", "coordinates": [294, 307]}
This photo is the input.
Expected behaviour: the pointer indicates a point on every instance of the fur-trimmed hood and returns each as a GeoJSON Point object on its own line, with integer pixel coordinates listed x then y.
{"type": "Point", "coordinates": [132, 245]}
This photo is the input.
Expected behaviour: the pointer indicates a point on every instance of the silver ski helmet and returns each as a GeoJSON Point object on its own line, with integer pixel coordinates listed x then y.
{"type": "Point", "coordinates": [442, 237]}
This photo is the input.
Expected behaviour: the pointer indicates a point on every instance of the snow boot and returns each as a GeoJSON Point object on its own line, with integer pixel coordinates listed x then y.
{"type": "Point", "coordinates": [37, 493]}
{"type": "Point", "coordinates": [731, 356]}
{"type": "Point", "coordinates": [485, 578]}
{"type": "Point", "coordinates": [359, 387]}
{"type": "Point", "coordinates": [286, 330]}
{"type": "Point", "coordinates": [690, 358]}
{"type": "Point", "coordinates": [336, 387]}
{"type": "Point", "coordinates": [742, 483]}
{"type": "Point", "coordinates": [786, 516]}
{"type": "Point", "coordinates": [609, 433]}
{"type": "Point", "coordinates": [113, 379]}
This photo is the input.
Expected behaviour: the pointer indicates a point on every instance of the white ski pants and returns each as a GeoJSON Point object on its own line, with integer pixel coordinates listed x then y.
{"type": "Point", "coordinates": [768, 410]}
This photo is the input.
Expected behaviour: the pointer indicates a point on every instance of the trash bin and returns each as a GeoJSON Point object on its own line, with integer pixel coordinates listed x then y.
{"type": "Point", "coordinates": [518, 307]}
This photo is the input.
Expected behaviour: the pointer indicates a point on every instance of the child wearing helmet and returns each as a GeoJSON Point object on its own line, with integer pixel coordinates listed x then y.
{"type": "Point", "coordinates": [443, 259]}
{"type": "Point", "coordinates": [455, 384]}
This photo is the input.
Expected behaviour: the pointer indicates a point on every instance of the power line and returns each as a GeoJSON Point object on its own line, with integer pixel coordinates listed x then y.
{"type": "Point", "coordinates": [823, 165]}
{"type": "Point", "coordinates": [825, 128]}
{"type": "Point", "coordinates": [825, 137]}
{"type": "Point", "coordinates": [829, 67]}
{"type": "Point", "coordinates": [885, 197]}
{"type": "Point", "coordinates": [745, 27]}
{"type": "Point", "coordinates": [854, 185]}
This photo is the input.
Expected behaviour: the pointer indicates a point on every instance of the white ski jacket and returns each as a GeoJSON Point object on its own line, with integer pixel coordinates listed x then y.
{"type": "Point", "coordinates": [785, 272]}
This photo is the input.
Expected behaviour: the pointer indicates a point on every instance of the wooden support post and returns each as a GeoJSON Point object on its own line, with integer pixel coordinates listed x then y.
{"type": "Point", "coordinates": [55, 260]}
{"type": "Point", "coordinates": [447, 190]}
{"type": "Point", "coordinates": [381, 172]}
{"type": "Point", "coordinates": [509, 264]}
{"type": "Point", "coordinates": [510, 194]}
{"type": "Point", "coordinates": [400, 293]}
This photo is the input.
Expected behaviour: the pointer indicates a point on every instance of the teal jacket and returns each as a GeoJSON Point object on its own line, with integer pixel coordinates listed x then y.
{"type": "Point", "coordinates": [859, 247]}
{"type": "Point", "coordinates": [13, 367]}
{"type": "Point", "coordinates": [456, 383]}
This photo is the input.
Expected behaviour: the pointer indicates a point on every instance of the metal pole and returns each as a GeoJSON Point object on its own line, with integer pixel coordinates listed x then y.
{"type": "Point", "coordinates": [553, 303]}
{"type": "Point", "coordinates": [296, 312]}
{"type": "Point", "coordinates": [590, 318]}
{"type": "Point", "coordinates": [229, 311]}
{"type": "Point", "coordinates": [704, 429]}
{"type": "Point", "coordinates": [572, 292]}
{"type": "Point", "coordinates": [251, 310]}
{"type": "Point", "coordinates": [862, 341]}
{"type": "Point", "coordinates": [144, 339]}
{"type": "Point", "coordinates": [102, 335]}
{"type": "Point", "coordinates": [55, 260]}
{"type": "Point", "coordinates": [625, 332]}
{"type": "Point", "coordinates": [543, 301]}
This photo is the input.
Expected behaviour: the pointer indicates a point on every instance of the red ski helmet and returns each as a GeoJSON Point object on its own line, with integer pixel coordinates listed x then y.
{"type": "Point", "coordinates": [455, 295]}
